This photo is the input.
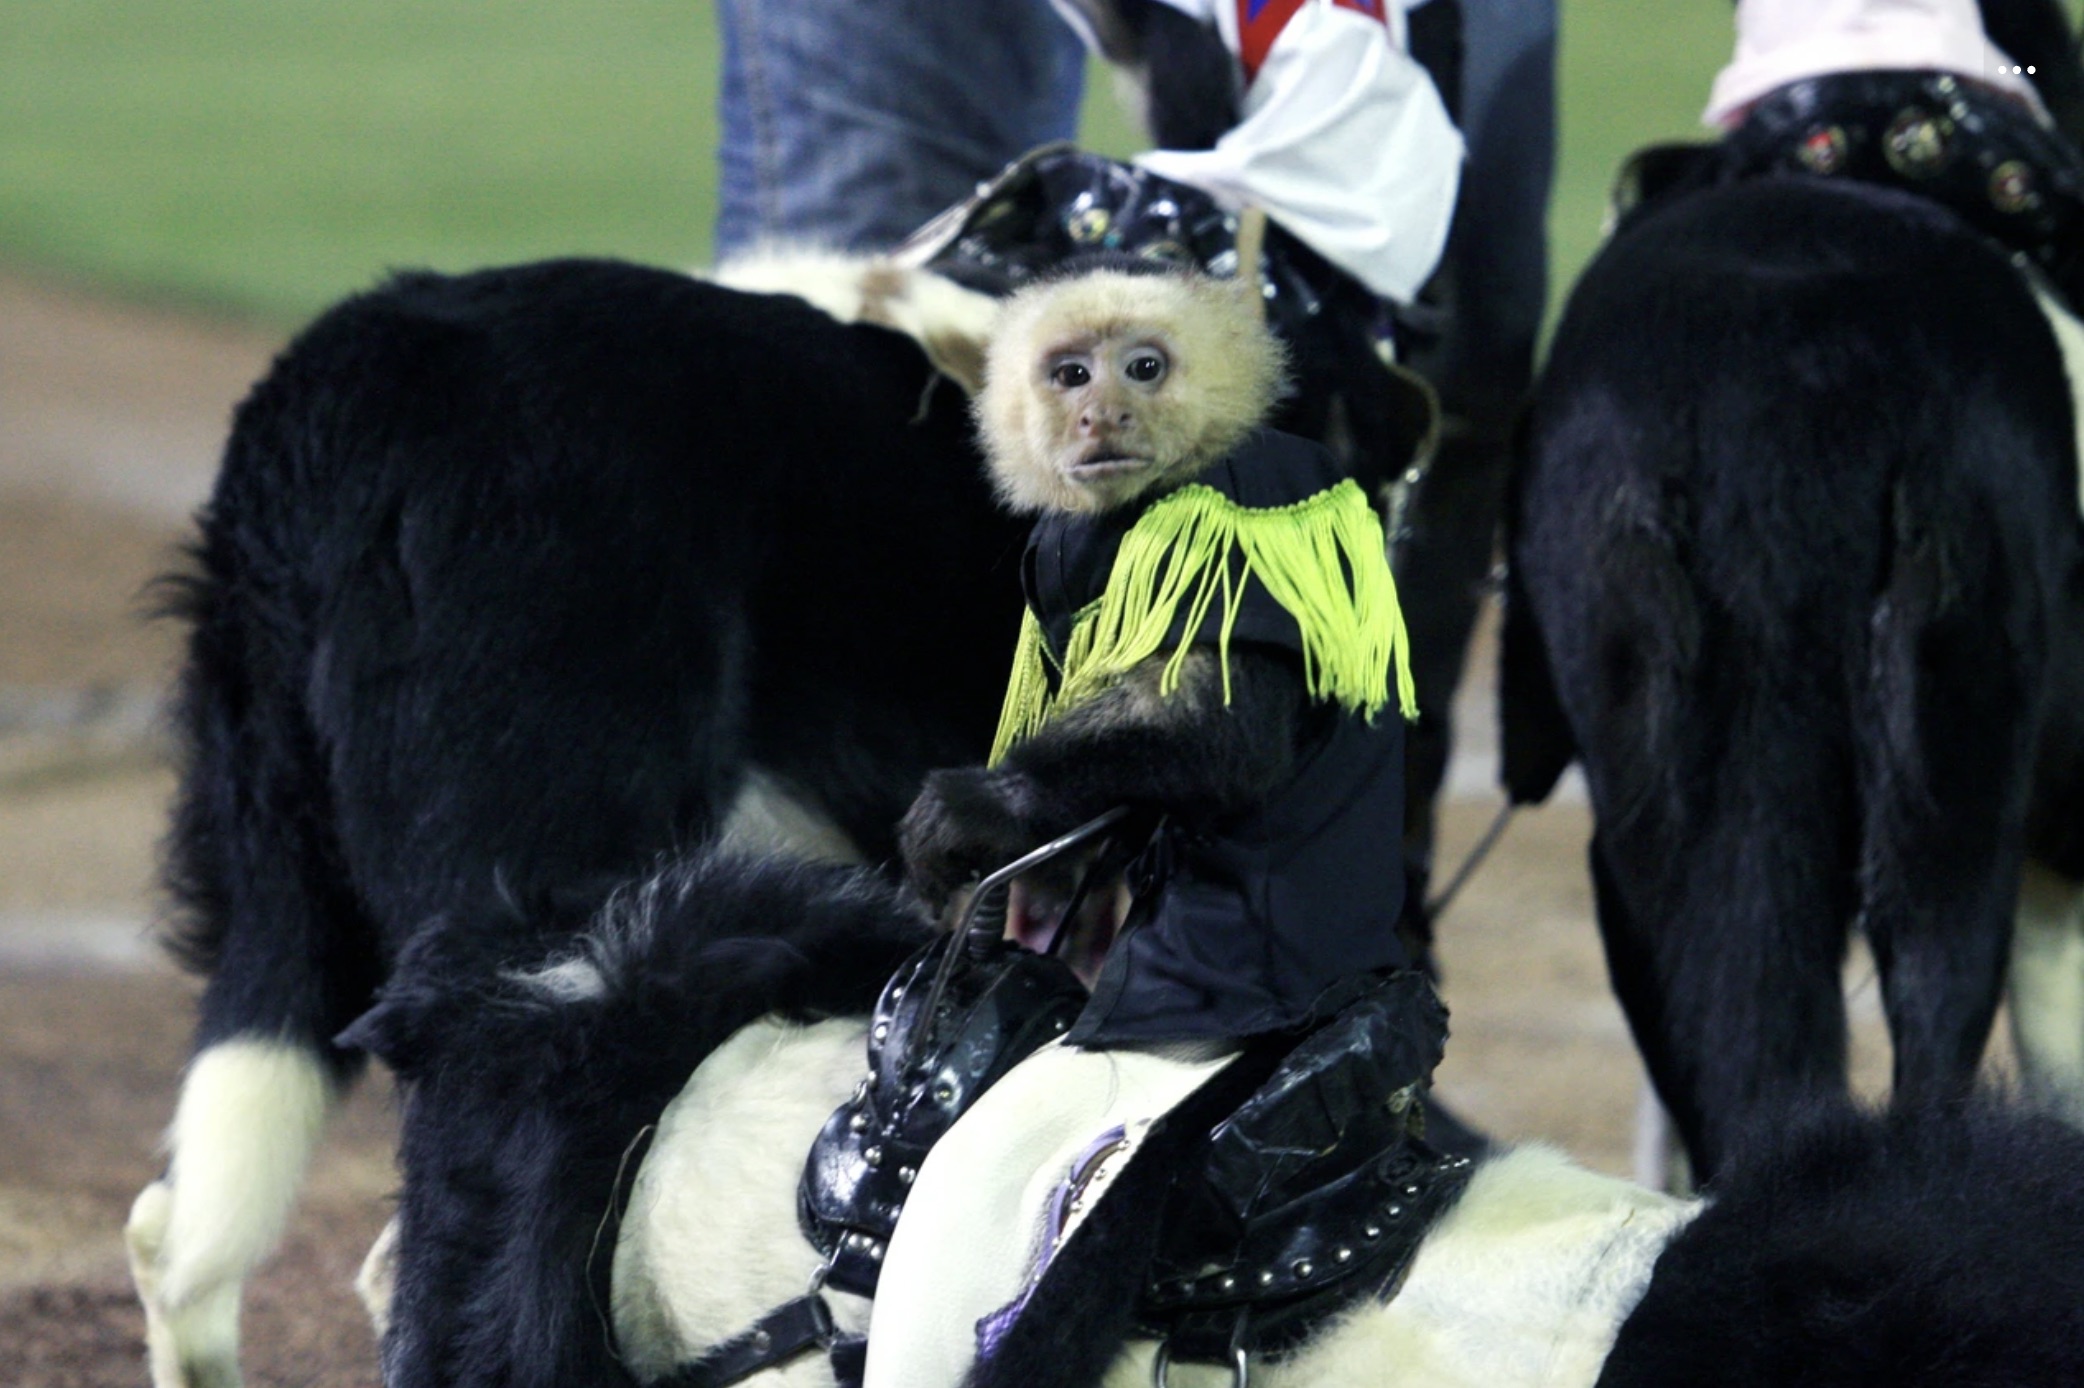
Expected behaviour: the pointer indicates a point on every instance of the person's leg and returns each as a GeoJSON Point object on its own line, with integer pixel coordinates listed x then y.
{"type": "Point", "coordinates": [1495, 272]}
{"type": "Point", "coordinates": [1498, 251]}
{"type": "Point", "coordinates": [848, 125]}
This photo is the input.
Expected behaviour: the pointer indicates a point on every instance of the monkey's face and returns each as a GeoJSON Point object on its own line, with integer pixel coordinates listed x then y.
{"type": "Point", "coordinates": [1106, 416]}
{"type": "Point", "coordinates": [1102, 388]}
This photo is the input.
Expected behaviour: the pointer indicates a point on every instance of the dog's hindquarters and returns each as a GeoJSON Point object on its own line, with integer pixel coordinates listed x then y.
{"type": "Point", "coordinates": [1786, 534]}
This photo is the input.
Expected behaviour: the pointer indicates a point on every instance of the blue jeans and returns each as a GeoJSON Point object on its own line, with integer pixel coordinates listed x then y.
{"type": "Point", "coordinates": [848, 123]}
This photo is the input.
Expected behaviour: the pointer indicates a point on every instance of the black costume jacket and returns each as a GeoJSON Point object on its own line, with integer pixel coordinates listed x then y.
{"type": "Point", "coordinates": [1246, 923]}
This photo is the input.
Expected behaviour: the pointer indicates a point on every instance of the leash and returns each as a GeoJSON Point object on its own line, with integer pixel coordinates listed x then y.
{"type": "Point", "coordinates": [1437, 907]}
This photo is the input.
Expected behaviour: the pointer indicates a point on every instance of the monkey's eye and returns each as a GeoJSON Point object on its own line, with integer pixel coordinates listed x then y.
{"type": "Point", "coordinates": [1070, 375]}
{"type": "Point", "coordinates": [1144, 367]}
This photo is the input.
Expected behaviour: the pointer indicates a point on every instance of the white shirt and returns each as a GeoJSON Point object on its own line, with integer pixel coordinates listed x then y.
{"type": "Point", "coordinates": [1341, 137]}
{"type": "Point", "coordinates": [1782, 41]}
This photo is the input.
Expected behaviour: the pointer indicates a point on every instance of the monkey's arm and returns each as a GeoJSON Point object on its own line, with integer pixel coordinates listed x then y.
{"type": "Point", "coordinates": [1186, 752]}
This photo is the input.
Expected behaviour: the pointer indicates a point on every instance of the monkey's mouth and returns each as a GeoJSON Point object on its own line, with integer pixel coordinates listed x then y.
{"type": "Point", "coordinates": [1105, 462]}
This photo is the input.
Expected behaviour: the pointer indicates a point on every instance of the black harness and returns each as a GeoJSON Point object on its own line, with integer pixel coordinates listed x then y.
{"type": "Point", "coordinates": [1981, 155]}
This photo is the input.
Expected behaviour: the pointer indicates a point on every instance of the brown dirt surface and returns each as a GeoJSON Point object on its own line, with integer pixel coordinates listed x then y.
{"type": "Point", "coordinates": [110, 420]}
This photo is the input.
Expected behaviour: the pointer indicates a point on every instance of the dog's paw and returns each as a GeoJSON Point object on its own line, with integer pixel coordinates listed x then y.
{"type": "Point", "coordinates": [378, 1279]}
{"type": "Point", "coordinates": [191, 1345]}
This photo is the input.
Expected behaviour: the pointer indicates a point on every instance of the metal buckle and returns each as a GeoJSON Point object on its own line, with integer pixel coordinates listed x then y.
{"type": "Point", "coordinates": [1240, 1366]}
{"type": "Point", "coordinates": [823, 1271]}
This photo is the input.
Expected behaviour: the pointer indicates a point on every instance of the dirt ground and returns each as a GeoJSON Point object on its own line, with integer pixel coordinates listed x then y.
{"type": "Point", "coordinates": [110, 419]}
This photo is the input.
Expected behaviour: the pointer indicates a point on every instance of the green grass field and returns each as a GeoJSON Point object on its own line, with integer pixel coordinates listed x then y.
{"type": "Point", "coordinates": [265, 156]}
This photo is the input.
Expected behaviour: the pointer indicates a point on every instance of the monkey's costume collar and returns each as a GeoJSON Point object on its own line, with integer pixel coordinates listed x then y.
{"type": "Point", "coordinates": [1253, 923]}
{"type": "Point", "coordinates": [1271, 545]}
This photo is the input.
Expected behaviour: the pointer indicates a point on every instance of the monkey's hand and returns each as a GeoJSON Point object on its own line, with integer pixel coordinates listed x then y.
{"type": "Point", "coordinates": [963, 824]}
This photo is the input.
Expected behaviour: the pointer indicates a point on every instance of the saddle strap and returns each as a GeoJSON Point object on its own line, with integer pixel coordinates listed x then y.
{"type": "Point", "coordinates": [790, 1329]}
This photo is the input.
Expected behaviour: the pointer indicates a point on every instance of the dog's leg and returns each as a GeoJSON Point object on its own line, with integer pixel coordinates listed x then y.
{"type": "Point", "coordinates": [378, 1278]}
{"type": "Point", "coordinates": [1941, 952]}
{"type": "Point", "coordinates": [250, 1113]}
{"type": "Point", "coordinates": [1731, 1018]}
{"type": "Point", "coordinates": [1944, 729]}
{"type": "Point", "coordinates": [2047, 989]}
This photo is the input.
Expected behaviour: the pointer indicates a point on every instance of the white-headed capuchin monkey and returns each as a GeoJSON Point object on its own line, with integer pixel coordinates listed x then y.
{"type": "Point", "coordinates": [1212, 636]}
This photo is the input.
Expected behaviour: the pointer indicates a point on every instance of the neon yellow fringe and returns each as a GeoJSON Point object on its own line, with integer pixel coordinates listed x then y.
{"type": "Point", "coordinates": [1322, 559]}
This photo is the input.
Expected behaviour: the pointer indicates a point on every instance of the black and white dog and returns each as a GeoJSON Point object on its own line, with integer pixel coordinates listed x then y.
{"type": "Point", "coordinates": [510, 583]}
{"type": "Point", "coordinates": [610, 1142]}
{"type": "Point", "coordinates": [1798, 574]}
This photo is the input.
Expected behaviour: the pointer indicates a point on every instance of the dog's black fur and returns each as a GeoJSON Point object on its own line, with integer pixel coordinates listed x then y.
{"type": "Point", "coordinates": [1796, 572]}
{"type": "Point", "coordinates": [509, 578]}
{"type": "Point", "coordinates": [525, 1099]}
{"type": "Point", "coordinates": [1938, 1248]}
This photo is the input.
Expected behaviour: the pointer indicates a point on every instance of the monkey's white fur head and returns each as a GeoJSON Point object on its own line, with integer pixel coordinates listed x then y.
{"type": "Point", "coordinates": [1100, 388]}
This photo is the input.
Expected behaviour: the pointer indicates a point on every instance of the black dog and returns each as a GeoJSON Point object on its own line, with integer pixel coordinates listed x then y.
{"type": "Point", "coordinates": [1797, 570]}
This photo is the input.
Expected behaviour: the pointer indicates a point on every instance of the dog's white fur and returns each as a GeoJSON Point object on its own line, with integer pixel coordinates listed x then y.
{"type": "Point", "coordinates": [709, 1242]}
{"type": "Point", "coordinates": [1524, 1282]}
{"type": "Point", "coordinates": [767, 819]}
{"type": "Point", "coordinates": [2047, 989]}
{"type": "Point", "coordinates": [250, 1113]}
{"type": "Point", "coordinates": [2069, 336]}
{"type": "Point", "coordinates": [377, 1280]}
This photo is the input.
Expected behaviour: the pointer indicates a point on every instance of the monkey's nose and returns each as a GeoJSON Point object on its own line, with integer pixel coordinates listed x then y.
{"type": "Point", "coordinates": [1094, 422]}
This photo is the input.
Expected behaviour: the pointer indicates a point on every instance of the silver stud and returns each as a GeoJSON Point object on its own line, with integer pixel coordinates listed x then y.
{"type": "Point", "coordinates": [762, 1342]}
{"type": "Point", "coordinates": [1266, 1277]}
{"type": "Point", "coordinates": [1227, 1283]}
{"type": "Point", "coordinates": [861, 1091]}
{"type": "Point", "coordinates": [1371, 1232]}
{"type": "Point", "coordinates": [873, 1156]}
{"type": "Point", "coordinates": [859, 1122]}
{"type": "Point", "coordinates": [944, 1093]}
{"type": "Point", "coordinates": [882, 1031]}
{"type": "Point", "coordinates": [905, 1175]}
{"type": "Point", "coordinates": [1304, 1267]}
{"type": "Point", "coordinates": [1344, 1255]}
{"type": "Point", "coordinates": [1394, 1211]}
{"type": "Point", "coordinates": [1411, 1191]}
{"type": "Point", "coordinates": [875, 1252]}
{"type": "Point", "coordinates": [1058, 1023]}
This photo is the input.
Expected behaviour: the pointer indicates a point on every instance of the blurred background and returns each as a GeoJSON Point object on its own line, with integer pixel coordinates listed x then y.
{"type": "Point", "coordinates": [181, 184]}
